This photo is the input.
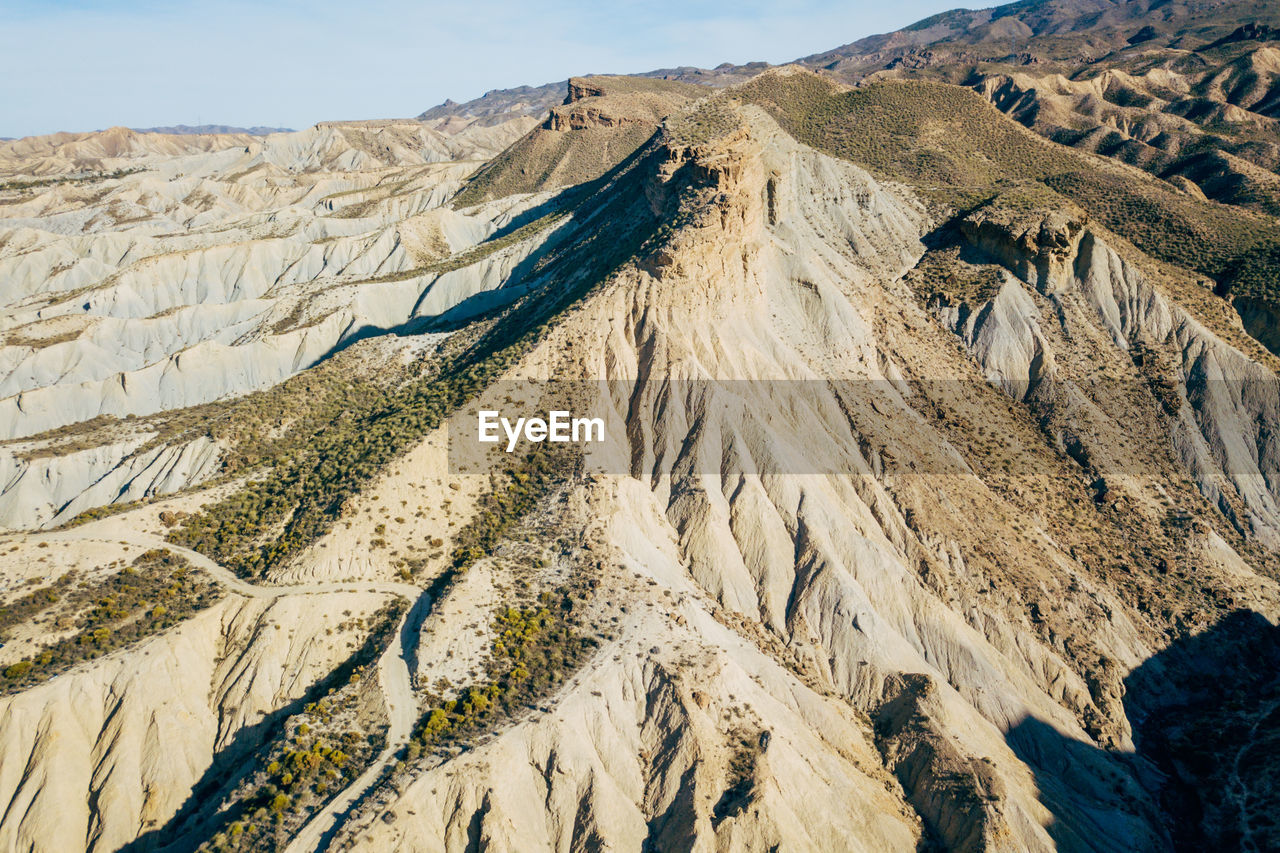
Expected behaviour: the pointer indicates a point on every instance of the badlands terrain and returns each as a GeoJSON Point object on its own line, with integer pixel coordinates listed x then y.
{"type": "Point", "coordinates": [938, 506]}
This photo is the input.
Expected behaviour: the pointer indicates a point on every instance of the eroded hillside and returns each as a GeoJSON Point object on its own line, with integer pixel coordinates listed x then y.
{"type": "Point", "coordinates": [1186, 91]}
{"type": "Point", "coordinates": [937, 505]}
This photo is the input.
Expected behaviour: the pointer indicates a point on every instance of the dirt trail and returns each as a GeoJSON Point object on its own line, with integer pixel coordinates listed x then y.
{"type": "Point", "coordinates": [402, 708]}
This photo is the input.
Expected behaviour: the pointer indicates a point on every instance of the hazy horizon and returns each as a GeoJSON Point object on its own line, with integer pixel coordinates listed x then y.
{"type": "Point", "coordinates": [292, 64]}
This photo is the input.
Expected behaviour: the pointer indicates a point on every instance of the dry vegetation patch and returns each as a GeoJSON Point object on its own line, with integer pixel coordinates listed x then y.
{"type": "Point", "coordinates": [157, 591]}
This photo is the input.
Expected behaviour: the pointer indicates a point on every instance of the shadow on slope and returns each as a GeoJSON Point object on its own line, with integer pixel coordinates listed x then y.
{"type": "Point", "coordinates": [522, 280]}
{"type": "Point", "coordinates": [201, 813]}
{"type": "Point", "coordinates": [1206, 717]}
{"type": "Point", "coordinates": [269, 521]}
{"type": "Point", "coordinates": [530, 274]}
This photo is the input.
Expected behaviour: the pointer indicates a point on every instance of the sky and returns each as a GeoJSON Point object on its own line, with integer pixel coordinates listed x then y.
{"type": "Point", "coordinates": [81, 65]}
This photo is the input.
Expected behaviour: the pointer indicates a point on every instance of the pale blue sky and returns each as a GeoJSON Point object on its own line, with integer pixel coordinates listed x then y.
{"type": "Point", "coordinates": [89, 64]}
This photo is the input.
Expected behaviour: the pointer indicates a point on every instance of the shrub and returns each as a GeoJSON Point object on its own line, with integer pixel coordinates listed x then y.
{"type": "Point", "coordinates": [18, 670]}
{"type": "Point", "coordinates": [534, 650]}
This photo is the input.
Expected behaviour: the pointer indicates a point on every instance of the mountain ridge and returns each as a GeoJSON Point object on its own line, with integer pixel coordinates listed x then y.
{"type": "Point", "coordinates": [937, 504]}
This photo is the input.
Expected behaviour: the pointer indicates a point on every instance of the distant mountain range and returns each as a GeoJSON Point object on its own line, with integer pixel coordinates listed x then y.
{"type": "Point", "coordinates": [1072, 36]}
{"type": "Point", "coordinates": [1187, 90]}
{"type": "Point", "coordinates": [501, 104]}
{"type": "Point", "coordinates": [194, 130]}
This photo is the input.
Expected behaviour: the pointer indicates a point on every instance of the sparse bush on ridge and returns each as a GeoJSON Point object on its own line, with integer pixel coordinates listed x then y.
{"type": "Point", "coordinates": [271, 519]}
{"type": "Point", "coordinates": [534, 651]}
{"type": "Point", "coordinates": [157, 591]}
{"type": "Point", "coordinates": [515, 491]}
{"type": "Point", "coordinates": [26, 607]}
{"type": "Point", "coordinates": [310, 757]}
{"type": "Point", "coordinates": [305, 491]}
{"type": "Point", "coordinates": [67, 179]}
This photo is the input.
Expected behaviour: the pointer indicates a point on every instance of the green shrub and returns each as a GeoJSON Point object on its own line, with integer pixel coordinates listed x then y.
{"type": "Point", "coordinates": [18, 670]}
{"type": "Point", "coordinates": [514, 492]}
{"type": "Point", "coordinates": [27, 607]}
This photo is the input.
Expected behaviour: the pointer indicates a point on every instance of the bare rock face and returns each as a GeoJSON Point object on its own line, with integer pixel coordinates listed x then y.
{"type": "Point", "coordinates": [1083, 278]}
{"type": "Point", "coordinates": [652, 751]}
{"type": "Point", "coordinates": [53, 489]}
{"type": "Point", "coordinates": [860, 581]}
{"type": "Point", "coordinates": [1037, 246]}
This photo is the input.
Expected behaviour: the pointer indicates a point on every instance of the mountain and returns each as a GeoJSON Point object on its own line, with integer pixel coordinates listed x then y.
{"type": "Point", "coordinates": [1187, 91]}
{"type": "Point", "coordinates": [935, 502]}
{"type": "Point", "coordinates": [535, 101]}
{"type": "Point", "coordinates": [202, 129]}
